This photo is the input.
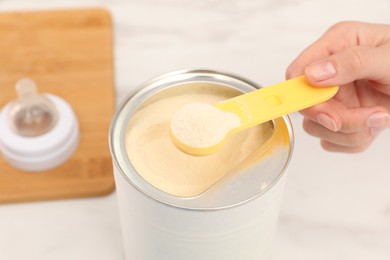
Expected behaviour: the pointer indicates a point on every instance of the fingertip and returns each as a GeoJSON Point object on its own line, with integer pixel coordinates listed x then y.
{"type": "Point", "coordinates": [326, 114]}
{"type": "Point", "coordinates": [327, 122]}
{"type": "Point", "coordinates": [378, 119]}
{"type": "Point", "coordinates": [377, 122]}
{"type": "Point", "coordinates": [320, 71]}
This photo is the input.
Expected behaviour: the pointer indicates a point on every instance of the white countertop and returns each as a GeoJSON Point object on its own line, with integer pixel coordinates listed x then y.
{"type": "Point", "coordinates": [336, 206]}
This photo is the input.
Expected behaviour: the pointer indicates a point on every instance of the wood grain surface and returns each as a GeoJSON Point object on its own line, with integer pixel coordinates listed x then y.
{"type": "Point", "coordinates": [68, 53]}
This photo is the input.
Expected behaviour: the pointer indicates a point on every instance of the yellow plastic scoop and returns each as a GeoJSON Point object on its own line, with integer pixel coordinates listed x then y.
{"type": "Point", "coordinates": [201, 129]}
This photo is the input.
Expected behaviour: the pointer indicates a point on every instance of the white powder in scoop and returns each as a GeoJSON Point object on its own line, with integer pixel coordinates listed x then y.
{"type": "Point", "coordinates": [202, 125]}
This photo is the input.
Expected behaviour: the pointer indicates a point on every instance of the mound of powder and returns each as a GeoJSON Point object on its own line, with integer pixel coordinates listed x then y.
{"type": "Point", "coordinates": [202, 125]}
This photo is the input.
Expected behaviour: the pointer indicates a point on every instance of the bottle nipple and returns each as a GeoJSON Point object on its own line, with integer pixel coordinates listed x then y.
{"type": "Point", "coordinates": [31, 114]}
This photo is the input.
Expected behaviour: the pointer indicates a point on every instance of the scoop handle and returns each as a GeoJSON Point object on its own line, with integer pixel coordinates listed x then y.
{"type": "Point", "coordinates": [276, 100]}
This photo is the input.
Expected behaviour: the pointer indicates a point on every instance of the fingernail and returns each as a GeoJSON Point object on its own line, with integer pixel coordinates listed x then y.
{"type": "Point", "coordinates": [378, 120]}
{"type": "Point", "coordinates": [327, 122]}
{"type": "Point", "coordinates": [320, 71]}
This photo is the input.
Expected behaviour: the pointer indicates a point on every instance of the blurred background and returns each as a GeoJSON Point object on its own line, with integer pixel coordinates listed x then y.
{"type": "Point", "coordinates": [336, 206]}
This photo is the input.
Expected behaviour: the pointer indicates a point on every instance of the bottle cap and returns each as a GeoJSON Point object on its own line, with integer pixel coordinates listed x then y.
{"type": "Point", "coordinates": [37, 131]}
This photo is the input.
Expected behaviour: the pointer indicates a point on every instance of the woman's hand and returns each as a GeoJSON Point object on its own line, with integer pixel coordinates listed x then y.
{"type": "Point", "coordinates": [355, 56]}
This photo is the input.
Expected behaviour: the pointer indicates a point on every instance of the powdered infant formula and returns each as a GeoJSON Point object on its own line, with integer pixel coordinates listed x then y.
{"type": "Point", "coordinates": [160, 163]}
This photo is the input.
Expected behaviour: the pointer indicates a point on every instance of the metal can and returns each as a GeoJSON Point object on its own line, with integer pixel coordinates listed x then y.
{"type": "Point", "coordinates": [234, 219]}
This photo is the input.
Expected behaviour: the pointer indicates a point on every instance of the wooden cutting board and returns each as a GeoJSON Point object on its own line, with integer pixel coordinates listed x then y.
{"type": "Point", "coordinates": [68, 53]}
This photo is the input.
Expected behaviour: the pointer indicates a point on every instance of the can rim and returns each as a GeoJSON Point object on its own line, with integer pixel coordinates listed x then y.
{"type": "Point", "coordinates": [118, 119]}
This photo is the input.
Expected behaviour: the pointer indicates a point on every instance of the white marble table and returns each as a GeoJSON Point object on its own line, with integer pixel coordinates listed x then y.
{"type": "Point", "coordinates": [336, 206]}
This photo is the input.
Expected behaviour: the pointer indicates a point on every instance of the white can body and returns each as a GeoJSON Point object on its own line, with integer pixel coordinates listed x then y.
{"type": "Point", "coordinates": [152, 230]}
